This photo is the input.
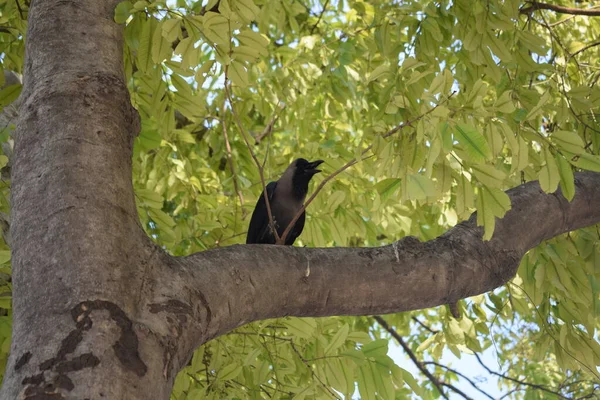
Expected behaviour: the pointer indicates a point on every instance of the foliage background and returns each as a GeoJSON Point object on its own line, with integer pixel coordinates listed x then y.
{"type": "Point", "coordinates": [483, 96]}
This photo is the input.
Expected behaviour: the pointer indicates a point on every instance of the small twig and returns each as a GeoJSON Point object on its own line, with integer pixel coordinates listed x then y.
{"type": "Point", "coordinates": [412, 356]}
{"type": "Point", "coordinates": [534, 5]}
{"type": "Point", "coordinates": [348, 165]}
{"type": "Point", "coordinates": [461, 375]}
{"type": "Point", "coordinates": [508, 378]}
{"type": "Point", "coordinates": [269, 128]}
{"type": "Point", "coordinates": [230, 159]}
{"type": "Point", "coordinates": [584, 48]}
{"type": "Point", "coordinates": [256, 161]}
{"type": "Point", "coordinates": [20, 10]}
{"type": "Point", "coordinates": [418, 321]}
{"type": "Point", "coordinates": [320, 16]}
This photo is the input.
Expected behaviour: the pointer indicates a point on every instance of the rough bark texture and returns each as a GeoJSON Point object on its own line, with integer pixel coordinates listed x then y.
{"type": "Point", "coordinates": [100, 312]}
{"type": "Point", "coordinates": [77, 246]}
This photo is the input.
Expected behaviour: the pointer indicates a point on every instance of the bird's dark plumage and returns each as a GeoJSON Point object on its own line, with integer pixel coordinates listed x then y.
{"type": "Point", "coordinates": [286, 197]}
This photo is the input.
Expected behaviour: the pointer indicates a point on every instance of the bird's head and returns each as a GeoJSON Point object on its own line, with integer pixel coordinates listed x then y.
{"type": "Point", "coordinates": [303, 171]}
{"type": "Point", "coordinates": [305, 168]}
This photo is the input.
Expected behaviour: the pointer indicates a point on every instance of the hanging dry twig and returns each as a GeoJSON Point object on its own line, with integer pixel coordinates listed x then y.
{"type": "Point", "coordinates": [230, 158]}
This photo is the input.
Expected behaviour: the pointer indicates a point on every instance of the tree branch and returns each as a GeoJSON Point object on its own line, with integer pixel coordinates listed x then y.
{"type": "Point", "coordinates": [320, 16]}
{"type": "Point", "coordinates": [244, 283]}
{"type": "Point", "coordinates": [534, 6]}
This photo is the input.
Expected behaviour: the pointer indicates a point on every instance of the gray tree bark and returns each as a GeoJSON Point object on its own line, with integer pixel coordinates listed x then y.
{"type": "Point", "coordinates": [101, 312]}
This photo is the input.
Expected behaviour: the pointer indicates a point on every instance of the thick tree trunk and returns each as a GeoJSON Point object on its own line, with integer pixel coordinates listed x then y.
{"type": "Point", "coordinates": [101, 312]}
{"type": "Point", "coordinates": [79, 252]}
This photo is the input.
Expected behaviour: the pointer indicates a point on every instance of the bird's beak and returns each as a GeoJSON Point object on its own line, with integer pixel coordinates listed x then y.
{"type": "Point", "coordinates": [312, 167]}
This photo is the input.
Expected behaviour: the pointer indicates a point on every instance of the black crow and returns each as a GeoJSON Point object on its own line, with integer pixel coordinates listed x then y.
{"type": "Point", "coordinates": [286, 197]}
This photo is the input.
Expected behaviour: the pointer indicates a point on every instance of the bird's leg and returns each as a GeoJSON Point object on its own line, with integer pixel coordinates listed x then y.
{"type": "Point", "coordinates": [273, 227]}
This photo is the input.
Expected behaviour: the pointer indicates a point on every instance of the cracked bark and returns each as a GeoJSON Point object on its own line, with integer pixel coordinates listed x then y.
{"type": "Point", "coordinates": [101, 312]}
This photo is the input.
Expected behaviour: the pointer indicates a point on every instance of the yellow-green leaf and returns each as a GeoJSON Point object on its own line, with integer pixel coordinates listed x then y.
{"type": "Point", "coordinates": [569, 141]}
{"type": "Point", "coordinates": [567, 184]}
{"type": "Point", "coordinates": [473, 143]}
{"type": "Point", "coordinates": [504, 103]}
{"type": "Point", "coordinates": [419, 187]}
{"type": "Point", "coordinates": [549, 176]}
{"type": "Point", "coordinates": [171, 28]}
{"type": "Point", "coordinates": [238, 74]}
{"type": "Point", "coordinates": [489, 175]}
{"type": "Point", "coordinates": [161, 47]}
{"type": "Point", "coordinates": [255, 40]}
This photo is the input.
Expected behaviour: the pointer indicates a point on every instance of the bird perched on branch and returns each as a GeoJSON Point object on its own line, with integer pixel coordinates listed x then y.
{"type": "Point", "coordinates": [286, 197]}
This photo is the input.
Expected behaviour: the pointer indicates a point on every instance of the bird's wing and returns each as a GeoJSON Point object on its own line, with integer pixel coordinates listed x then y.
{"type": "Point", "coordinates": [296, 230]}
{"type": "Point", "coordinates": [258, 231]}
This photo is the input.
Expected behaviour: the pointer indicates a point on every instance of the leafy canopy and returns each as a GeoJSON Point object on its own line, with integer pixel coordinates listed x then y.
{"type": "Point", "coordinates": [443, 104]}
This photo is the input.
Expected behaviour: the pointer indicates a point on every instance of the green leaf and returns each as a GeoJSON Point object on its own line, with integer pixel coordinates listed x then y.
{"type": "Point", "coordinates": [437, 85]}
{"type": "Point", "coordinates": [336, 199]}
{"type": "Point", "coordinates": [188, 51]}
{"type": "Point", "coordinates": [543, 100]}
{"type": "Point", "coordinates": [454, 334]}
{"type": "Point", "coordinates": [549, 176]}
{"type": "Point", "coordinates": [148, 138]}
{"type": "Point", "coordinates": [358, 357]}
{"type": "Point", "coordinates": [144, 54]}
{"type": "Point", "coordinates": [4, 256]}
{"type": "Point", "coordinates": [376, 348]}
{"type": "Point", "coordinates": [301, 327]}
{"type": "Point", "coordinates": [569, 141]}
{"type": "Point", "coordinates": [254, 40]}
{"type": "Point", "coordinates": [426, 343]}
{"type": "Point", "coordinates": [587, 161]}
{"type": "Point", "coordinates": [171, 28]}
{"type": "Point", "coordinates": [204, 69]}
{"type": "Point", "coordinates": [337, 375]}
{"type": "Point", "coordinates": [161, 218]}
{"type": "Point", "coordinates": [522, 157]}
{"type": "Point", "coordinates": [122, 11]}
{"type": "Point", "coordinates": [491, 203]}
{"type": "Point", "coordinates": [411, 382]}
{"type": "Point", "coordinates": [498, 47]}
{"type": "Point", "coordinates": [216, 29]}
{"type": "Point", "coordinates": [3, 161]}
{"type": "Point", "coordinates": [489, 175]}
{"type": "Point", "coordinates": [150, 198]}
{"type": "Point", "coordinates": [504, 103]}
{"type": "Point", "coordinates": [567, 184]}
{"type": "Point", "coordinates": [229, 371]}
{"type": "Point", "coordinates": [10, 94]}
{"type": "Point", "coordinates": [245, 53]}
{"type": "Point", "coordinates": [382, 71]}
{"type": "Point", "coordinates": [184, 136]}
{"type": "Point", "coordinates": [238, 74]}
{"type": "Point", "coordinates": [473, 142]}
{"type": "Point", "coordinates": [246, 9]}
{"type": "Point", "coordinates": [359, 337]}
{"type": "Point", "coordinates": [366, 382]}
{"type": "Point", "coordinates": [161, 47]}
{"type": "Point", "coordinates": [338, 339]}
{"type": "Point", "coordinates": [464, 196]}
{"type": "Point", "coordinates": [387, 187]}
{"type": "Point", "coordinates": [6, 302]}
{"type": "Point", "coordinates": [419, 187]}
